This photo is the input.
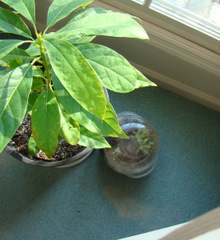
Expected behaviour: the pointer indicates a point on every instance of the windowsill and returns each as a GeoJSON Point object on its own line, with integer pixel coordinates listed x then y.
{"type": "Point", "coordinates": [91, 201]}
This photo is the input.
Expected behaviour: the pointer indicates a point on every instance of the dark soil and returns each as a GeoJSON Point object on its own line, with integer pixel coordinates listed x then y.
{"type": "Point", "coordinates": [20, 141]}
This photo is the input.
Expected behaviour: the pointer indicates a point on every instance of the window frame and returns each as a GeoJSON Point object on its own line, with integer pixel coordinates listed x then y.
{"type": "Point", "coordinates": [167, 23]}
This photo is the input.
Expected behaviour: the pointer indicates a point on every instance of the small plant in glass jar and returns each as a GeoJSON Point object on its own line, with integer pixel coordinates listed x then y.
{"type": "Point", "coordinates": [137, 156]}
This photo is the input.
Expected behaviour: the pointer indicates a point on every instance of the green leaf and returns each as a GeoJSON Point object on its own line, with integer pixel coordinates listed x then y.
{"type": "Point", "coordinates": [14, 63]}
{"type": "Point", "coordinates": [91, 140]}
{"type": "Point", "coordinates": [114, 71]}
{"type": "Point", "coordinates": [37, 72]}
{"type": "Point", "coordinates": [3, 72]}
{"type": "Point", "coordinates": [107, 24]}
{"type": "Point", "coordinates": [112, 121]}
{"type": "Point", "coordinates": [18, 53]}
{"type": "Point", "coordinates": [32, 146]}
{"type": "Point", "coordinates": [108, 127]}
{"type": "Point", "coordinates": [12, 23]}
{"type": "Point", "coordinates": [86, 4]}
{"type": "Point", "coordinates": [24, 7]}
{"type": "Point", "coordinates": [142, 81]}
{"type": "Point", "coordinates": [69, 129]}
{"type": "Point", "coordinates": [3, 64]}
{"type": "Point", "coordinates": [14, 92]}
{"type": "Point", "coordinates": [45, 122]}
{"type": "Point", "coordinates": [60, 9]}
{"type": "Point", "coordinates": [88, 12]}
{"type": "Point", "coordinates": [79, 15]}
{"type": "Point", "coordinates": [83, 39]}
{"type": "Point", "coordinates": [38, 84]}
{"type": "Point", "coordinates": [31, 101]}
{"type": "Point", "coordinates": [76, 76]}
{"type": "Point", "coordinates": [33, 50]}
{"type": "Point", "coordinates": [6, 46]}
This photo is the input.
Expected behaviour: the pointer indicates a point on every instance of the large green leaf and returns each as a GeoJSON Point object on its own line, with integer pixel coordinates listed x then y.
{"type": "Point", "coordinates": [91, 140]}
{"type": "Point", "coordinates": [108, 127]}
{"type": "Point", "coordinates": [114, 71]}
{"type": "Point", "coordinates": [6, 46]}
{"type": "Point", "coordinates": [24, 7]}
{"type": "Point", "coordinates": [69, 129]}
{"type": "Point", "coordinates": [76, 76]}
{"type": "Point", "coordinates": [46, 122]}
{"type": "Point", "coordinates": [15, 87]}
{"type": "Point", "coordinates": [59, 9]}
{"type": "Point", "coordinates": [12, 23]}
{"type": "Point", "coordinates": [108, 24]}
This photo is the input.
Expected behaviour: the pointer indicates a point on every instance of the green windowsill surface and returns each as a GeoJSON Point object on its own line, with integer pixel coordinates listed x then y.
{"type": "Point", "coordinates": [90, 201]}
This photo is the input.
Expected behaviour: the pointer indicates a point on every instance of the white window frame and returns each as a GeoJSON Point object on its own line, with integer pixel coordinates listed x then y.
{"type": "Point", "coordinates": [165, 22]}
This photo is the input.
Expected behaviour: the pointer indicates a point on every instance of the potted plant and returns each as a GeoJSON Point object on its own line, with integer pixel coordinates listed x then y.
{"type": "Point", "coordinates": [58, 79]}
{"type": "Point", "coordinates": [137, 156]}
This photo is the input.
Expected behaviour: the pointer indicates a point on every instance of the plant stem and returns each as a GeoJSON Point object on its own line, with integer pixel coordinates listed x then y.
{"type": "Point", "coordinates": [44, 59]}
{"type": "Point", "coordinates": [35, 60]}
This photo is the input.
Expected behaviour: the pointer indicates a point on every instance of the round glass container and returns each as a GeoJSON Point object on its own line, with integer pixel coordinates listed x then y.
{"type": "Point", "coordinates": [137, 156]}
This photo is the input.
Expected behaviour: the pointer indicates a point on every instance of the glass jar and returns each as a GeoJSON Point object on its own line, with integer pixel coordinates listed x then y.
{"type": "Point", "coordinates": [137, 156]}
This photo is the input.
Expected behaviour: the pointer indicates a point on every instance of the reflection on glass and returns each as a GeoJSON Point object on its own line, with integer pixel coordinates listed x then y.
{"type": "Point", "coordinates": [139, 1]}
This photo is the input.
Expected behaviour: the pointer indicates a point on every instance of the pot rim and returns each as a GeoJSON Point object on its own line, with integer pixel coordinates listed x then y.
{"type": "Point", "coordinates": [68, 162]}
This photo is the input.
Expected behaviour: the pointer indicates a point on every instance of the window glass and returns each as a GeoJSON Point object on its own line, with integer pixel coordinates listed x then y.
{"type": "Point", "coordinates": [203, 15]}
